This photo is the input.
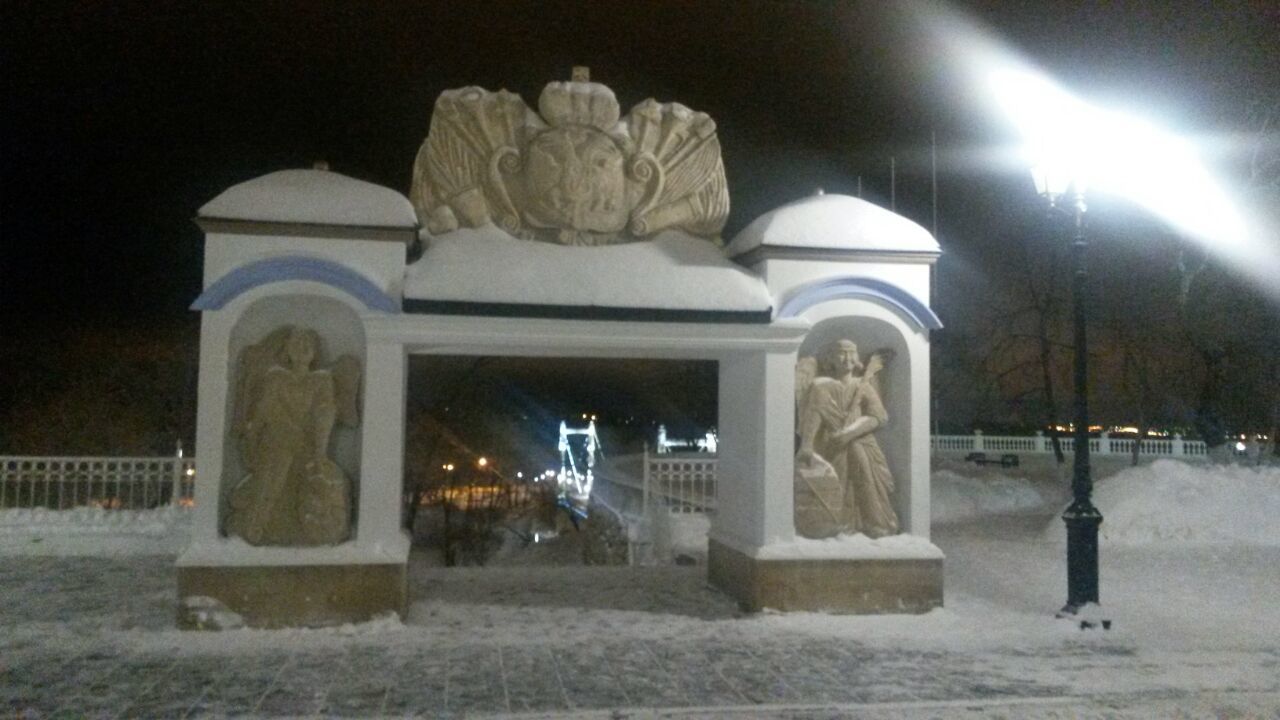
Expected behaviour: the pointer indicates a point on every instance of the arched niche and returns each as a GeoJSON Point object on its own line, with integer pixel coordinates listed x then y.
{"type": "Point", "coordinates": [341, 332]}
{"type": "Point", "coordinates": [872, 334]}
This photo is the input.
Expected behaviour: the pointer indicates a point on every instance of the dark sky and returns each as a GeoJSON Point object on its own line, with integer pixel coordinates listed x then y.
{"type": "Point", "coordinates": [119, 119]}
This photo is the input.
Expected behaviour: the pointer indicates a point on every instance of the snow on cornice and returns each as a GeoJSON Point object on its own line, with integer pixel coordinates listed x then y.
{"type": "Point", "coordinates": [313, 197]}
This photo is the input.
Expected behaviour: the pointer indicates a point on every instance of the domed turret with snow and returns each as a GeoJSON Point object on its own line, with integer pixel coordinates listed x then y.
{"type": "Point", "coordinates": [311, 197]}
{"type": "Point", "coordinates": [857, 525]}
{"type": "Point", "coordinates": [824, 246]}
{"type": "Point", "coordinates": [831, 222]}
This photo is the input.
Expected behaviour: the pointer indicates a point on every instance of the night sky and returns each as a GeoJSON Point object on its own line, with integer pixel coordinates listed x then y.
{"type": "Point", "coordinates": [118, 120]}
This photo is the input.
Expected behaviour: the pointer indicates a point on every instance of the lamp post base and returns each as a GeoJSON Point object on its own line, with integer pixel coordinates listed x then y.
{"type": "Point", "coordinates": [1082, 520]}
{"type": "Point", "coordinates": [1088, 616]}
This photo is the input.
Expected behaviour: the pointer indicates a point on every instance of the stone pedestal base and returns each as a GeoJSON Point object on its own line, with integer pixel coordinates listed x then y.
{"type": "Point", "coordinates": [838, 585]}
{"type": "Point", "coordinates": [272, 596]}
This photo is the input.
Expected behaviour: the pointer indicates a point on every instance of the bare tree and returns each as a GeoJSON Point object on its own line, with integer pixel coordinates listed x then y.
{"type": "Point", "coordinates": [1233, 329]}
{"type": "Point", "coordinates": [1025, 327]}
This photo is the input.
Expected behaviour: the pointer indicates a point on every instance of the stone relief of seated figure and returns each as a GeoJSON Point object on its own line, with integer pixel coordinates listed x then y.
{"type": "Point", "coordinates": [843, 482]}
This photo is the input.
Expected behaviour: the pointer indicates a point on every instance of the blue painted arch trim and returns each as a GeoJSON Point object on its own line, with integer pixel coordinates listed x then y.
{"type": "Point", "coordinates": [294, 267]}
{"type": "Point", "coordinates": [820, 291]}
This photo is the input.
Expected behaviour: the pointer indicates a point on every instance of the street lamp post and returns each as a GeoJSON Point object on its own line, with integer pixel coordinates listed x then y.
{"type": "Point", "coordinates": [1081, 517]}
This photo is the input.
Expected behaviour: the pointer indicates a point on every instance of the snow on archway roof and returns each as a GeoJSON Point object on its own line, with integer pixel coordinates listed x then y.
{"type": "Point", "coordinates": [833, 222]}
{"type": "Point", "coordinates": [672, 271]}
{"type": "Point", "coordinates": [316, 197]}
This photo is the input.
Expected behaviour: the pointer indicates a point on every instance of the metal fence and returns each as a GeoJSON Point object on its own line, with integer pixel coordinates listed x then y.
{"type": "Point", "coordinates": [684, 483]}
{"type": "Point", "coordinates": [117, 483]}
{"type": "Point", "coordinates": [1171, 447]}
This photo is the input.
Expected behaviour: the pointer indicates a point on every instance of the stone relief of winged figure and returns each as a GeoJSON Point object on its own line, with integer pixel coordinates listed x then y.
{"type": "Point", "coordinates": [285, 410]}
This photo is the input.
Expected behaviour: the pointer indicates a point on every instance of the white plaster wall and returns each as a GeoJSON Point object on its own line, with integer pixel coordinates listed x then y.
{"type": "Point", "coordinates": [382, 262]}
{"type": "Point", "coordinates": [783, 276]}
{"type": "Point", "coordinates": [538, 337]}
{"type": "Point", "coordinates": [224, 334]}
{"type": "Point", "coordinates": [906, 382]}
{"type": "Point", "coordinates": [754, 495]}
{"type": "Point", "coordinates": [382, 460]}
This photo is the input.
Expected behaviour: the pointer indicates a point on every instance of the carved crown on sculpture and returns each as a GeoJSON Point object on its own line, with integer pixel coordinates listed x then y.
{"type": "Point", "coordinates": [575, 172]}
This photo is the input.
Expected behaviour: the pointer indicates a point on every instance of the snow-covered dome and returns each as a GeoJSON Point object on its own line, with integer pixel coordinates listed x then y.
{"type": "Point", "coordinates": [316, 197]}
{"type": "Point", "coordinates": [833, 222]}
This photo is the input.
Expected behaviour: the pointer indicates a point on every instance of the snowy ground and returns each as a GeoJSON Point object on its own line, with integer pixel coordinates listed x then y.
{"type": "Point", "coordinates": [1196, 633]}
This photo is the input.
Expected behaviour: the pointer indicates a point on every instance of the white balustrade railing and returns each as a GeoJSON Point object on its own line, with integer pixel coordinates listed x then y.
{"type": "Point", "coordinates": [684, 483]}
{"type": "Point", "coordinates": [116, 483]}
{"type": "Point", "coordinates": [1041, 444]}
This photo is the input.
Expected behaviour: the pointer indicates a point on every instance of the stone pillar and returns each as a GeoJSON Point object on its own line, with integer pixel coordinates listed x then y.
{"type": "Point", "coordinates": [1179, 449]}
{"type": "Point", "coordinates": [211, 425]}
{"type": "Point", "coordinates": [917, 518]}
{"type": "Point", "coordinates": [977, 441]}
{"type": "Point", "coordinates": [382, 455]}
{"type": "Point", "coordinates": [1040, 444]}
{"type": "Point", "coordinates": [1104, 443]}
{"type": "Point", "coordinates": [757, 429]}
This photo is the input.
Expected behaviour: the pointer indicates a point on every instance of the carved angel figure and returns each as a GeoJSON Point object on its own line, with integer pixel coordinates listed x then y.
{"type": "Point", "coordinates": [843, 482]}
{"type": "Point", "coordinates": [293, 494]}
{"type": "Point", "coordinates": [572, 173]}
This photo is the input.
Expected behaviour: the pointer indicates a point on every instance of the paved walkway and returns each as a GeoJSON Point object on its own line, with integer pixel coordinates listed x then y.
{"type": "Point", "coordinates": [86, 637]}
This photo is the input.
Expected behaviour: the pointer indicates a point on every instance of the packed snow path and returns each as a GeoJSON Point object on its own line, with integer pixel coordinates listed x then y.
{"type": "Point", "coordinates": [1196, 633]}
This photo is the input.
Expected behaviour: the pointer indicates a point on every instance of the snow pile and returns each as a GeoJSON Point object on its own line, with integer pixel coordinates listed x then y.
{"type": "Point", "coordinates": [958, 498]}
{"type": "Point", "coordinates": [689, 533]}
{"type": "Point", "coordinates": [851, 547]}
{"type": "Point", "coordinates": [94, 531]}
{"type": "Point", "coordinates": [201, 612]}
{"type": "Point", "coordinates": [1173, 502]}
{"type": "Point", "coordinates": [670, 272]}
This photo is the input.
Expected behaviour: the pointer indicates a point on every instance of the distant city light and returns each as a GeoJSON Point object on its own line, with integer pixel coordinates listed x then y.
{"type": "Point", "coordinates": [483, 461]}
{"type": "Point", "coordinates": [709, 442]}
{"type": "Point", "coordinates": [519, 475]}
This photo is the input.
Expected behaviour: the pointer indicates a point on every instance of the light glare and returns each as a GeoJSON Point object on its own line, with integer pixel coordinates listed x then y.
{"type": "Point", "coordinates": [1070, 142]}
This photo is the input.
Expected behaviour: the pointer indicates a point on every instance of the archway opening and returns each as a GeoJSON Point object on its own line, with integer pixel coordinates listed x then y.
{"type": "Point", "coordinates": [541, 460]}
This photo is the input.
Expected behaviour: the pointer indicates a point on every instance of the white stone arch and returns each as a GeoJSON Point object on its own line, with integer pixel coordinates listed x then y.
{"type": "Point", "coordinates": [905, 381]}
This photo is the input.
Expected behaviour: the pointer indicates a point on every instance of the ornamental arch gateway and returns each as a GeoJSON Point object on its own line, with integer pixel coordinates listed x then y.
{"type": "Point", "coordinates": [606, 248]}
